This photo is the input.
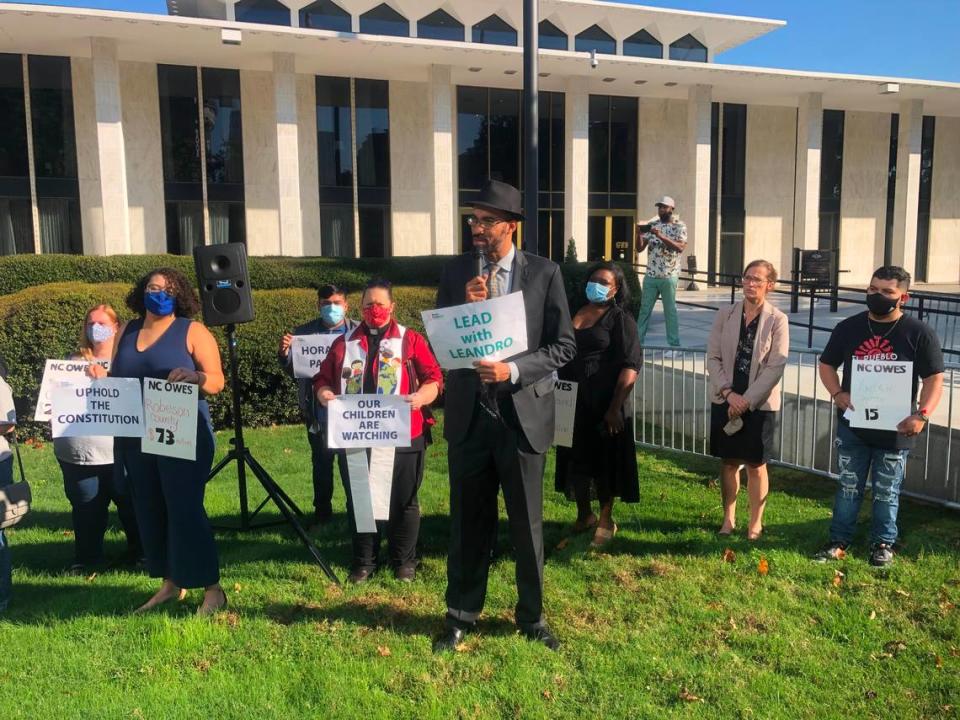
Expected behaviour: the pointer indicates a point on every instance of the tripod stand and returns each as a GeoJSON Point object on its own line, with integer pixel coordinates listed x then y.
{"type": "Point", "coordinates": [244, 458]}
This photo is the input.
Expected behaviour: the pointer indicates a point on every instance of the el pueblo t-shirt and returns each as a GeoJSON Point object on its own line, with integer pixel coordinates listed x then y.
{"type": "Point", "coordinates": [907, 339]}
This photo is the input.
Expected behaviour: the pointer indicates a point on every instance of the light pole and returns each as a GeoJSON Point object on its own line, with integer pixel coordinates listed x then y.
{"type": "Point", "coordinates": [531, 126]}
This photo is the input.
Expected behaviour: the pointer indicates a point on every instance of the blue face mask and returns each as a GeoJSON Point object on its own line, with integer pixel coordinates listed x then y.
{"type": "Point", "coordinates": [159, 303]}
{"type": "Point", "coordinates": [98, 332]}
{"type": "Point", "coordinates": [597, 293]}
{"type": "Point", "coordinates": [331, 315]}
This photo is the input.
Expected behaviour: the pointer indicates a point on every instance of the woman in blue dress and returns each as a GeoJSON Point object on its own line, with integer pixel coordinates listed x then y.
{"type": "Point", "coordinates": [163, 342]}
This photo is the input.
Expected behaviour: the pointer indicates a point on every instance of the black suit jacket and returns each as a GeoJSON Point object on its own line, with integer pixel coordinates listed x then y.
{"type": "Point", "coordinates": [550, 345]}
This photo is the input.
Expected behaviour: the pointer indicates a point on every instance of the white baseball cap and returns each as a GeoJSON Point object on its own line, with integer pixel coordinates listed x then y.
{"type": "Point", "coordinates": [666, 200]}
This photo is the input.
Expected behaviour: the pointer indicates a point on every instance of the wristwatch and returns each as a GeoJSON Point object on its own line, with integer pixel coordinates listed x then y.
{"type": "Point", "coordinates": [922, 414]}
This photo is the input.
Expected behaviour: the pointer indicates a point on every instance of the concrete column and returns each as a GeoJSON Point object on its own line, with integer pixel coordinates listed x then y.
{"type": "Point", "coordinates": [806, 208]}
{"type": "Point", "coordinates": [697, 212]}
{"type": "Point", "coordinates": [907, 199]}
{"type": "Point", "coordinates": [576, 165]}
{"type": "Point", "coordinates": [288, 156]}
{"type": "Point", "coordinates": [110, 234]}
{"type": "Point", "coordinates": [443, 237]}
{"type": "Point", "coordinates": [231, 10]}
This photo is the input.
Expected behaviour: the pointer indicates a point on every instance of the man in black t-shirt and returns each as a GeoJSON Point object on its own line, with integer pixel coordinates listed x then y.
{"type": "Point", "coordinates": [881, 335]}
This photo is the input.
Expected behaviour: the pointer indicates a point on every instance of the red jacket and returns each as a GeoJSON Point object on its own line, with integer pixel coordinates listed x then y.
{"type": "Point", "coordinates": [415, 353]}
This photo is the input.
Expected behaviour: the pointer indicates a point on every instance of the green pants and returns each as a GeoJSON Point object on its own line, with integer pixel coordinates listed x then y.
{"type": "Point", "coordinates": [665, 288]}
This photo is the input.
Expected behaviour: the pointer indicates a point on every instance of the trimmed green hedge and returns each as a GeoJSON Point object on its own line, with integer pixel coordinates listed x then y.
{"type": "Point", "coordinates": [45, 322]}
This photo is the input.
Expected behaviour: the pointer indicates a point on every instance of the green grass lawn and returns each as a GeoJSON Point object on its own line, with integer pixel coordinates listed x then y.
{"type": "Point", "coordinates": [658, 625]}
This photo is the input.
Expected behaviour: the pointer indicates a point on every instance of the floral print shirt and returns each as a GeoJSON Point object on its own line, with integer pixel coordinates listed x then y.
{"type": "Point", "coordinates": [664, 262]}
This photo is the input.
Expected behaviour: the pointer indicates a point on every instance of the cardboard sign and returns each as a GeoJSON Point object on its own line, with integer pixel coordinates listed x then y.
{"type": "Point", "coordinates": [370, 485]}
{"type": "Point", "coordinates": [170, 415]}
{"type": "Point", "coordinates": [368, 421]}
{"type": "Point", "coordinates": [881, 392]}
{"type": "Point", "coordinates": [57, 371]}
{"type": "Point", "coordinates": [308, 352]}
{"type": "Point", "coordinates": [565, 399]}
{"type": "Point", "coordinates": [83, 407]}
{"type": "Point", "coordinates": [494, 329]}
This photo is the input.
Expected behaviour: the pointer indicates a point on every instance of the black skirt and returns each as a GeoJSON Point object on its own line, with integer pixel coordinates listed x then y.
{"type": "Point", "coordinates": [753, 443]}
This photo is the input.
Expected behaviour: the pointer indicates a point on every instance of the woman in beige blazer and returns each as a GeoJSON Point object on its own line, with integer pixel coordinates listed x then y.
{"type": "Point", "coordinates": [746, 354]}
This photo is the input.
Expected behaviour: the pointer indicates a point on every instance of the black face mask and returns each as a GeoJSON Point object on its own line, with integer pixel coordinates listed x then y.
{"type": "Point", "coordinates": [880, 304]}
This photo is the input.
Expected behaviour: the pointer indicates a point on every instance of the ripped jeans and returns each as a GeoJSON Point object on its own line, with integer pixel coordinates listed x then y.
{"type": "Point", "coordinates": [855, 460]}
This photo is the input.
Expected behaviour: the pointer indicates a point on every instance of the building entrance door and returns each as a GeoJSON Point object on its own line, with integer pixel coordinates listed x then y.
{"type": "Point", "coordinates": [610, 236]}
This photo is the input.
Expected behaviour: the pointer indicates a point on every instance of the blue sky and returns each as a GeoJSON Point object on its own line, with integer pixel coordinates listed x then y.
{"type": "Point", "coordinates": [916, 39]}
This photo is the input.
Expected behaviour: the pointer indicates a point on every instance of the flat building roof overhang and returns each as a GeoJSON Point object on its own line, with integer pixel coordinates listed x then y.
{"type": "Point", "coordinates": [195, 41]}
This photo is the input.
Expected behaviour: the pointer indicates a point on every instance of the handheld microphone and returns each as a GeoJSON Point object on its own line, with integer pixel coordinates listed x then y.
{"type": "Point", "coordinates": [481, 257]}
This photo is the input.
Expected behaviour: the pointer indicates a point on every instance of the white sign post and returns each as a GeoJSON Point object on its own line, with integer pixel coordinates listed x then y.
{"type": "Point", "coordinates": [308, 353]}
{"type": "Point", "coordinates": [170, 414]}
{"type": "Point", "coordinates": [57, 371]}
{"type": "Point", "coordinates": [368, 421]}
{"type": "Point", "coordinates": [85, 407]}
{"type": "Point", "coordinates": [881, 392]}
{"type": "Point", "coordinates": [565, 398]}
{"type": "Point", "coordinates": [493, 329]}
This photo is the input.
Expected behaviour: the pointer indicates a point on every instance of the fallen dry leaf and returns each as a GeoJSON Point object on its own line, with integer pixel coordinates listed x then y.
{"type": "Point", "coordinates": [563, 543]}
{"type": "Point", "coordinates": [688, 696]}
{"type": "Point", "coordinates": [91, 577]}
{"type": "Point", "coordinates": [841, 554]}
{"type": "Point", "coordinates": [383, 651]}
{"type": "Point", "coordinates": [837, 578]}
{"type": "Point", "coordinates": [237, 587]}
{"type": "Point", "coordinates": [547, 695]}
{"type": "Point", "coordinates": [902, 593]}
{"type": "Point", "coordinates": [870, 694]}
{"type": "Point", "coordinates": [895, 647]}
{"type": "Point", "coordinates": [873, 614]}
{"type": "Point", "coordinates": [938, 661]}
{"type": "Point", "coordinates": [763, 567]}
{"type": "Point", "coordinates": [729, 556]}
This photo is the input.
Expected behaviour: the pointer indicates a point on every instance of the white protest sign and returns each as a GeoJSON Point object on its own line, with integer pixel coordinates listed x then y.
{"type": "Point", "coordinates": [368, 421]}
{"type": "Point", "coordinates": [881, 392]}
{"type": "Point", "coordinates": [308, 353]}
{"type": "Point", "coordinates": [493, 329]}
{"type": "Point", "coordinates": [170, 415]}
{"type": "Point", "coordinates": [110, 406]}
{"type": "Point", "coordinates": [565, 400]}
{"type": "Point", "coordinates": [57, 371]}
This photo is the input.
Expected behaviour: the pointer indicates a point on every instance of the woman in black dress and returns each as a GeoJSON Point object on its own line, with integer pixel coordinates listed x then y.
{"type": "Point", "coordinates": [603, 457]}
{"type": "Point", "coordinates": [746, 354]}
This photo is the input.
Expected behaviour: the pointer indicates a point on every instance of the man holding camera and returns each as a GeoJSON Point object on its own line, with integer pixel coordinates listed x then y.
{"type": "Point", "coordinates": [666, 238]}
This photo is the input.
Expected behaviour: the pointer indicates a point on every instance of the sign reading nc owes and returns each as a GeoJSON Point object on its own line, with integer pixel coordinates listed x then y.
{"type": "Point", "coordinates": [493, 329]}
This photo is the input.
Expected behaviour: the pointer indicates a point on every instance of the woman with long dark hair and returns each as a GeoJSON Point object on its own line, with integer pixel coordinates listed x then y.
{"type": "Point", "coordinates": [603, 458]}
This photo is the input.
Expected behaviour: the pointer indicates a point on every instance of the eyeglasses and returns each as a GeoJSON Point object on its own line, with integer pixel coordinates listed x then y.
{"type": "Point", "coordinates": [156, 288]}
{"type": "Point", "coordinates": [485, 223]}
{"type": "Point", "coordinates": [754, 280]}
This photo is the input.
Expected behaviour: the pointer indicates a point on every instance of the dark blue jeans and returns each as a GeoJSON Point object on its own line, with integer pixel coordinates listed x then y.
{"type": "Point", "coordinates": [6, 569]}
{"type": "Point", "coordinates": [856, 461]}
{"type": "Point", "coordinates": [90, 490]}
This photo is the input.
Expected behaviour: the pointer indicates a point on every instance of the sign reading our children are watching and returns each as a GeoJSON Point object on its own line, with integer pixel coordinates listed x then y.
{"type": "Point", "coordinates": [493, 329]}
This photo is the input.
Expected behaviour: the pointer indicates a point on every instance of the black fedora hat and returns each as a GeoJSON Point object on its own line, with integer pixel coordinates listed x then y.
{"type": "Point", "coordinates": [496, 195]}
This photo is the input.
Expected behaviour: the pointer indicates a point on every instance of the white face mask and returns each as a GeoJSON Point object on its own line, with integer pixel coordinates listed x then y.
{"type": "Point", "coordinates": [98, 332]}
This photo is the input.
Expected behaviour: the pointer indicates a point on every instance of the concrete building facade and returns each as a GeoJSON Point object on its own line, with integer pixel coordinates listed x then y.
{"type": "Point", "coordinates": [364, 128]}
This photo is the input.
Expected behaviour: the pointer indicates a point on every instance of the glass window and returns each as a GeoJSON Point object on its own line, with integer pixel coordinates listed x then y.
{"type": "Point", "coordinates": [504, 125]}
{"type": "Point", "coordinates": [325, 15]}
{"type": "Point", "coordinates": [184, 226]}
{"type": "Point", "coordinates": [223, 129]}
{"type": "Point", "coordinates": [336, 231]}
{"type": "Point", "coordinates": [60, 225]}
{"type": "Point", "coordinates": [928, 132]}
{"type": "Point", "coordinates": [440, 25]}
{"type": "Point", "coordinates": [551, 145]}
{"type": "Point", "coordinates": [13, 119]}
{"type": "Point", "coordinates": [623, 146]}
{"type": "Point", "coordinates": [494, 31]}
{"type": "Point", "coordinates": [374, 231]}
{"type": "Point", "coordinates": [643, 44]}
{"type": "Point", "coordinates": [227, 222]}
{"type": "Point", "coordinates": [268, 12]}
{"type": "Point", "coordinates": [473, 134]}
{"type": "Point", "coordinates": [732, 184]}
{"type": "Point", "coordinates": [51, 101]}
{"type": "Point", "coordinates": [612, 162]}
{"type": "Point", "coordinates": [179, 123]}
{"type": "Point", "coordinates": [599, 143]}
{"type": "Point", "coordinates": [595, 38]}
{"type": "Point", "coordinates": [831, 175]}
{"type": "Point", "coordinates": [384, 20]}
{"type": "Point", "coordinates": [16, 226]}
{"type": "Point", "coordinates": [688, 48]}
{"type": "Point", "coordinates": [551, 37]}
{"type": "Point", "coordinates": [334, 148]}
{"type": "Point", "coordinates": [373, 134]}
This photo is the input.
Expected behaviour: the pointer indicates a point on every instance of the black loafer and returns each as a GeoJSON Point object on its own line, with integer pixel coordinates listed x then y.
{"type": "Point", "coordinates": [360, 575]}
{"type": "Point", "coordinates": [451, 639]}
{"type": "Point", "coordinates": [541, 634]}
{"type": "Point", "coordinates": [405, 573]}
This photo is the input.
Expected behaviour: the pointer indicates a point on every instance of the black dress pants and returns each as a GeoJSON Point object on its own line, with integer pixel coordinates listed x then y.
{"type": "Point", "coordinates": [322, 460]}
{"type": "Point", "coordinates": [493, 455]}
{"type": "Point", "coordinates": [403, 527]}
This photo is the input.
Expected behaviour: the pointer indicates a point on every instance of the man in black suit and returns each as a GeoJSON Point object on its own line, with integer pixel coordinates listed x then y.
{"type": "Point", "coordinates": [499, 419]}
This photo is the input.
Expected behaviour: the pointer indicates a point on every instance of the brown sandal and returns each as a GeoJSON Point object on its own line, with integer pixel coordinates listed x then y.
{"type": "Point", "coordinates": [579, 527]}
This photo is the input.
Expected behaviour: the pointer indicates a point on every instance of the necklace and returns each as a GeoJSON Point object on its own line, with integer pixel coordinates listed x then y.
{"type": "Point", "coordinates": [892, 327]}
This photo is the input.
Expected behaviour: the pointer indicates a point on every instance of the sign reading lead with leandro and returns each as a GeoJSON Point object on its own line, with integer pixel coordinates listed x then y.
{"type": "Point", "coordinates": [494, 329]}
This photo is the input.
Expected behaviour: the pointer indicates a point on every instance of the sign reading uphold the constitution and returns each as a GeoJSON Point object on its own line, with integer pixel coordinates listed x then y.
{"type": "Point", "coordinates": [170, 411]}
{"type": "Point", "coordinates": [85, 407]}
{"type": "Point", "coordinates": [368, 421]}
{"type": "Point", "coordinates": [494, 329]}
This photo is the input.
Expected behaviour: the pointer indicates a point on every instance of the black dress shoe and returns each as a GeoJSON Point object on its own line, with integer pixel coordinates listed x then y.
{"type": "Point", "coordinates": [541, 634]}
{"type": "Point", "coordinates": [451, 639]}
{"type": "Point", "coordinates": [360, 575]}
{"type": "Point", "coordinates": [405, 573]}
